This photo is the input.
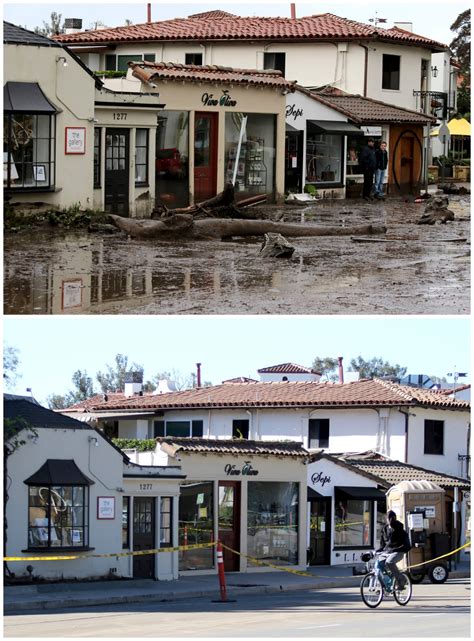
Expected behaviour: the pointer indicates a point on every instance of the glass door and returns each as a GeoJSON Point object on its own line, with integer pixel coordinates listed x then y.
{"type": "Point", "coordinates": [229, 523]}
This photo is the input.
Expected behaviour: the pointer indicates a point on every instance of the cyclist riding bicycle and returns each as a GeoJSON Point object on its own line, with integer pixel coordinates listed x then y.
{"type": "Point", "coordinates": [392, 546]}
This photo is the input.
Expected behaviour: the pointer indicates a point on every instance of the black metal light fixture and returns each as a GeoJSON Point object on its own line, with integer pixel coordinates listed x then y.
{"type": "Point", "coordinates": [434, 71]}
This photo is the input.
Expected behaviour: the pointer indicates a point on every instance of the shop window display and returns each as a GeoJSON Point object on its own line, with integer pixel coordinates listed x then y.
{"type": "Point", "coordinates": [250, 153]}
{"type": "Point", "coordinates": [196, 518]}
{"type": "Point", "coordinates": [272, 522]}
{"type": "Point", "coordinates": [323, 158]}
{"type": "Point", "coordinates": [58, 516]}
{"type": "Point", "coordinates": [172, 145]}
{"type": "Point", "coordinates": [353, 523]}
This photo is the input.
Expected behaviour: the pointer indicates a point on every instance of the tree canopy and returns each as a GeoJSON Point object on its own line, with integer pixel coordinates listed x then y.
{"type": "Point", "coordinates": [367, 368]}
{"type": "Point", "coordinates": [53, 27]}
{"type": "Point", "coordinates": [11, 362]}
{"type": "Point", "coordinates": [461, 49]}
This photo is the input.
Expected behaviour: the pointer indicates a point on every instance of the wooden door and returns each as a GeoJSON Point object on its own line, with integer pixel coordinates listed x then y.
{"type": "Point", "coordinates": [229, 522]}
{"type": "Point", "coordinates": [144, 536]}
{"type": "Point", "coordinates": [407, 149]}
{"type": "Point", "coordinates": [117, 168]}
{"type": "Point", "coordinates": [205, 156]}
{"type": "Point", "coordinates": [320, 532]}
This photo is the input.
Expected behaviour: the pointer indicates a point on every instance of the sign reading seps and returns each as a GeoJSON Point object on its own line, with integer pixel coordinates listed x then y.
{"type": "Point", "coordinates": [225, 100]}
{"type": "Point", "coordinates": [75, 140]}
{"type": "Point", "coordinates": [318, 477]}
{"type": "Point", "coordinates": [247, 470]}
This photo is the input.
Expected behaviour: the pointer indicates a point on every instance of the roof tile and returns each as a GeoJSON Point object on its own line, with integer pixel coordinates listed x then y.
{"type": "Point", "coordinates": [236, 447]}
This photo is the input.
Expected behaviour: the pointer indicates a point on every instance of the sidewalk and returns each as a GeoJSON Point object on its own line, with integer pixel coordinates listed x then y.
{"type": "Point", "coordinates": [50, 596]}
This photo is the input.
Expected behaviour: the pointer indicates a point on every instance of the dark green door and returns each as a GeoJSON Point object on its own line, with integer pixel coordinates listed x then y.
{"type": "Point", "coordinates": [117, 169]}
{"type": "Point", "coordinates": [144, 536]}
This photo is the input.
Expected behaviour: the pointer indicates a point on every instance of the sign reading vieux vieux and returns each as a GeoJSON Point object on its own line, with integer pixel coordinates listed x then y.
{"type": "Point", "coordinates": [247, 470]}
{"type": "Point", "coordinates": [225, 100]}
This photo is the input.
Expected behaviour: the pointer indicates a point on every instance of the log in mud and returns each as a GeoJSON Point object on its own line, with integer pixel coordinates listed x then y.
{"type": "Point", "coordinates": [186, 227]}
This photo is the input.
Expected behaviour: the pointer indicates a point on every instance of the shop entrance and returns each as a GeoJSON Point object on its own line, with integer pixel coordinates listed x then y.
{"type": "Point", "coordinates": [320, 532]}
{"type": "Point", "coordinates": [117, 162]}
{"type": "Point", "coordinates": [406, 163]}
{"type": "Point", "coordinates": [144, 536]}
{"type": "Point", "coordinates": [205, 156]}
{"type": "Point", "coordinates": [229, 522]}
{"type": "Point", "coordinates": [294, 161]}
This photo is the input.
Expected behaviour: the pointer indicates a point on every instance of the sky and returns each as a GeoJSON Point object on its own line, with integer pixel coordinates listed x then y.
{"type": "Point", "coordinates": [52, 348]}
{"type": "Point", "coordinates": [431, 18]}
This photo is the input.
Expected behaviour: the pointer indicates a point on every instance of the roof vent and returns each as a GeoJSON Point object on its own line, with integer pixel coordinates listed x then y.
{"type": "Point", "coordinates": [72, 25]}
{"type": "Point", "coordinates": [133, 383]}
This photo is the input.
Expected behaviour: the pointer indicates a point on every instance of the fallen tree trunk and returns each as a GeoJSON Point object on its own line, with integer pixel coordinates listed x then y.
{"type": "Point", "coordinates": [184, 226]}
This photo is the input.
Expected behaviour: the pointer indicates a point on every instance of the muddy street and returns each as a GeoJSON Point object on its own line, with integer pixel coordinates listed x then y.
{"type": "Point", "coordinates": [412, 269]}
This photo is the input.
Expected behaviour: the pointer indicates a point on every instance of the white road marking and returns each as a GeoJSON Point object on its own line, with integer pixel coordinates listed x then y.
{"type": "Point", "coordinates": [431, 614]}
{"type": "Point", "coordinates": [312, 627]}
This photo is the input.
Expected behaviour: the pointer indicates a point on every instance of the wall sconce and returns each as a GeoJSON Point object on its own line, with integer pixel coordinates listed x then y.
{"type": "Point", "coordinates": [93, 439]}
{"type": "Point", "coordinates": [434, 72]}
{"type": "Point", "coordinates": [59, 58]}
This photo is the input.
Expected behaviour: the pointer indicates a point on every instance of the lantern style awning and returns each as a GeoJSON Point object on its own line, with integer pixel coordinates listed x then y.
{"type": "Point", "coordinates": [26, 97]}
{"type": "Point", "coordinates": [58, 472]}
{"type": "Point", "coordinates": [457, 127]}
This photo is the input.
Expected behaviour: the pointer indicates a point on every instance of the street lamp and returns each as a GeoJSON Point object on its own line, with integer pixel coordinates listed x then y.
{"type": "Point", "coordinates": [434, 71]}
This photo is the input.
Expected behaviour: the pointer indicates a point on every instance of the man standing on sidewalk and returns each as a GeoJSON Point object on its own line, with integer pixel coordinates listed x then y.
{"type": "Point", "coordinates": [367, 162]}
{"type": "Point", "coordinates": [381, 158]}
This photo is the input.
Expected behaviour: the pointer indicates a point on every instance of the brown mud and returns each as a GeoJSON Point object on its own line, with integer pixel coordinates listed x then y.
{"type": "Point", "coordinates": [412, 269]}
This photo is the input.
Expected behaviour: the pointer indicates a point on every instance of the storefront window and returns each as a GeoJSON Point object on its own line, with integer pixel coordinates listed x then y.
{"type": "Point", "coordinates": [28, 151]}
{"type": "Point", "coordinates": [250, 153]}
{"type": "Point", "coordinates": [272, 522]}
{"type": "Point", "coordinates": [353, 523]}
{"type": "Point", "coordinates": [196, 519]}
{"type": "Point", "coordinates": [172, 145]}
{"type": "Point", "coordinates": [97, 146]}
{"type": "Point", "coordinates": [323, 157]}
{"type": "Point", "coordinates": [58, 516]}
{"type": "Point", "coordinates": [166, 521]}
{"type": "Point", "coordinates": [381, 519]}
{"type": "Point", "coordinates": [355, 144]}
{"type": "Point", "coordinates": [126, 522]}
{"type": "Point", "coordinates": [141, 157]}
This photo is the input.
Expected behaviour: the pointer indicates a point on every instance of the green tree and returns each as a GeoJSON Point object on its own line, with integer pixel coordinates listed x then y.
{"type": "Point", "coordinates": [327, 366]}
{"type": "Point", "coordinates": [11, 362]}
{"type": "Point", "coordinates": [82, 390]}
{"type": "Point", "coordinates": [53, 27]}
{"type": "Point", "coordinates": [113, 379]}
{"type": "Point", "coordinates": [376, 367]}
{"type": "Point", "coordinates": [461, 49]}
{"type": "Point", "coordinates": [182, 381]}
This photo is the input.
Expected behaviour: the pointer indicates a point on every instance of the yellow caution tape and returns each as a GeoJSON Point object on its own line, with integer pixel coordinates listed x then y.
{"type": "Point", "coordinates": [178, 548]}
{"type": "Point", "coordinates": [266, 563]}
{"type": "Point", "coordinates": [440, 557]}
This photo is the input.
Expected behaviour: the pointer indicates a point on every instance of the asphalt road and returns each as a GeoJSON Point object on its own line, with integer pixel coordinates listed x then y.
{"type": "Point", "coordinates": [435, 611]}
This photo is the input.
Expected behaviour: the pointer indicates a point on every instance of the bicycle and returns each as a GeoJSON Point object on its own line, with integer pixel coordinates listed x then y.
{"type": "Point", "coordinates": [378, 582]}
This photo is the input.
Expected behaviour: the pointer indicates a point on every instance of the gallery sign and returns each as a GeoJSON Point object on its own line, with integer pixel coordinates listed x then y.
{"type": "Point", "coordinates": [75, 140]}
{"type": "Point", "coordinates": [247, 470]}
{"type": "Point", "coordinates": [106, 507]}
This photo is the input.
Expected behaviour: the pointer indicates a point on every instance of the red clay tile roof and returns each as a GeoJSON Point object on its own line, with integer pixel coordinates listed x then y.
{"type": "Point", "coordinates": [367, 110]}
{"type": "Point", "coordinates": [287, 368]}
{"type": "Point", "coordinates": [393, 472]}
{"type": "Point", "coordinates": [240, 379]}
{"type": "Point", "coordinates": [236, 446]}
{"type": "Point", "coordinates": [283, 394]}
{"type": "Point", "coordinates": [202, 28]}
{"type": "Point", "coordinates": [152, 71]}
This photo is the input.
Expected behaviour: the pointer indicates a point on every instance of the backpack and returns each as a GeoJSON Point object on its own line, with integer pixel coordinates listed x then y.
{"type": "Point", "coordinates": [407, 546]}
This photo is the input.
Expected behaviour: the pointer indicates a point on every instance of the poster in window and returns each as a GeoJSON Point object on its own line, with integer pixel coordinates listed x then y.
{"type": "Point", "coordinates": [39, 172]}
{"type": "Point", "coordinates": [72, 293]}
{"type": "Point", "coordinates": [75, 140]}
{"type": "Point", "coordinates": [106, 507]}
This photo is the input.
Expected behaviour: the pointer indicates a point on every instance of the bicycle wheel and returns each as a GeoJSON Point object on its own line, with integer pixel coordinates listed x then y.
{"type": "Point", "coordinates": [403, 595]}
{"type": "Point", "coordinates": [371, 590]}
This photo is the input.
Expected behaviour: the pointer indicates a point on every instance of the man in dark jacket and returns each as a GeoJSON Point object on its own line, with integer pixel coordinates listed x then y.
{"type": "Point", "coordinates": [392, 544]}
{"type": "Point", "coordinates": [381, 157]}
{"type": "Point", "coordinates": [368, 164]}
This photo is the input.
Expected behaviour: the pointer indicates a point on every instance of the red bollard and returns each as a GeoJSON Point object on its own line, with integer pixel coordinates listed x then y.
{"type": "Point", "coordinates": [220, 571]}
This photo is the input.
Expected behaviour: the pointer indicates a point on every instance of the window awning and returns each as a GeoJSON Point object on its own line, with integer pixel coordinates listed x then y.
{"type": "Point", "coordinates": [289, 127]}
{"type": "Point", "coordinates": [26, 97]}
{"type": "Point", "coordinates": [333, 127]}
{"type": "Point", "coordinates": [360, 493]}
{"type": "Point", "coordinates": [314, 496]}
{"type": "Point", "coordinates": [58, 472]}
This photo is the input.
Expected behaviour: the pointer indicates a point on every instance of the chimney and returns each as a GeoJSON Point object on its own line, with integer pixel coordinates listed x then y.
{"type": "Point", "coordinates": [407, 26]}
{"type": "Point", "coordinates": [341, 369]}
{"type": "Point", "coordinates": [293, 11]}
{"type": "Point", "coordinates": [198, 366]}
{"type": "Point", "coordinates": [148, 12]}
{"type": "Point", "coordinates": [72, 25]}
{"type": "Point", "coordinates": [133, 384]}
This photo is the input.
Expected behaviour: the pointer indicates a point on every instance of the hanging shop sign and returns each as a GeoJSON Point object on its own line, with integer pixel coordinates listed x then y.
{"type": "Point", "coordinates": [293, 112]}
{"type": "Point", "coordinates": [75, 140]}
{"type": "Point", "coordinates": [247, 470]}
{"type": "Point", "coordinates": [319, 477]}
{"type": "Point", "coordinates": [106, 507]}
{"type": "Point", "coordinates": [209, 100]}
{"type": "Point", "coordinates": [372, 131]}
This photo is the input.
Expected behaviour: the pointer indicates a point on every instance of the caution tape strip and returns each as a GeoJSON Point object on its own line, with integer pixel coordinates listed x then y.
{"type": "Point", "coordinates": [178, 548]}
{"type": "Point", "coordinates": [443, 556]}
{"type": "Point", "coordinates": [266, 563]}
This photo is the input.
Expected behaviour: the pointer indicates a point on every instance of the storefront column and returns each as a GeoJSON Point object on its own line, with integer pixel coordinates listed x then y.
{"type": "Point", "coordinates": [192, 117]}
{"type": "Point", "coordinates": [280, 158]}
{"type": "Point", "coordinates": [303, 520]}
{"type": "Point", "coordinates": [152, 163]}
{"type": "Point", "coordinates": [131, 508]}
{"type": "Point", "coordinates": [102, 168]}
{"type": "Point", "coordinates": [221, 152]}
{"type": "Point", "coordinates": [243, 525]}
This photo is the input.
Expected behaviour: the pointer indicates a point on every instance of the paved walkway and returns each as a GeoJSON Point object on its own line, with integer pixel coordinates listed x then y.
{"type": "Point", "coordinates": [65, 595]}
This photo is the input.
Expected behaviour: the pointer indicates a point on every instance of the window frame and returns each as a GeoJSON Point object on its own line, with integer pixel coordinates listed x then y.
{"type": "Point", "coordinates": [390, 73]}
{"type": "Point", "coordinates": [348, 546]}
{"type": "Point", "coordinates": [169, 527]}
{"type": "Point", "coordinates": [146, 146]}
{"type": "Point", "coordinates": [239, 427]}
{"type": "Point", "coordinates": [279, 64]}
{"type": "Point", "coordinates": [8, 120]}
{"type": "Point", "coordinates": [85, 519]}
{"type": "Point", "coordinates": [126, 509]}
{"type": "Point", "coordinates": [316, 424]}
{"type": "Point", "coordinates": [97, 158]}
{"type": "Point", "coordinates": [195, 428]}
{"type": "Point", "coordinates": [133, 57]}
{"type": "Point", "coordinates": [428, 426]}
{"type": "Point", "coordinates": [192, 54]}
